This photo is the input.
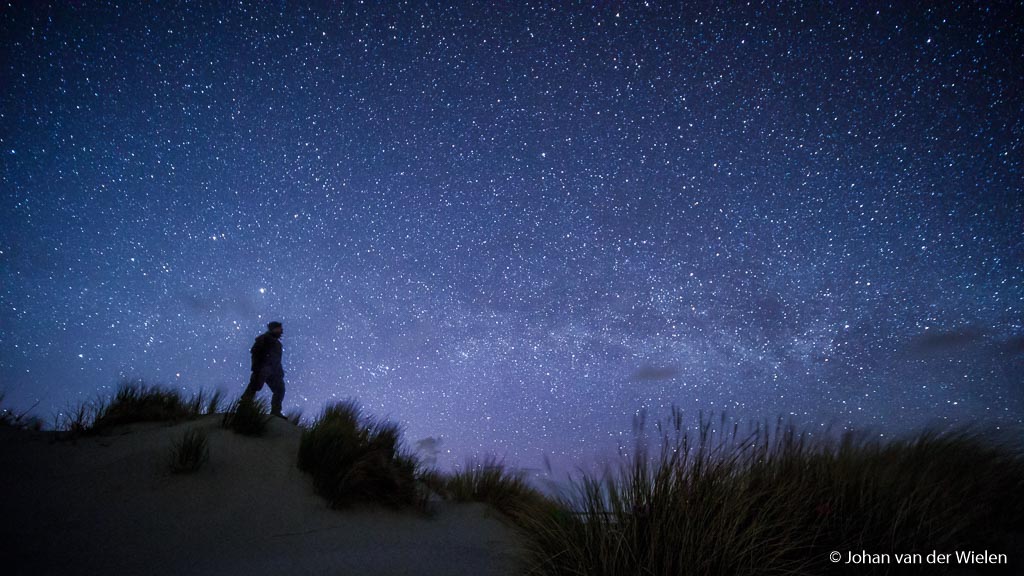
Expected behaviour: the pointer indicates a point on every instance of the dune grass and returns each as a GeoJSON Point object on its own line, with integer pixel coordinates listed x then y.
{"type": "Point", "coordinates": [189, 452]}
{"type": "Point", "coordinates": [247, 416]}
{"type": "Point", "coordinates": [777, 501]}
{"type": "Point", "coordinates": [213, 402]}
{"type": "Point", "coordinates": [20, 420]}
{"type": "Point", "coordinates": [135, 401]}
{"type": "Point", "coordinates": [139, 403]}
{"type": "Point", "coordinates": [356, 458]}
{"type": "Point", "coordinates": [490, 481]}
{"type": "Point", "coordinates": [77, 420]}
{"type": "Point", "coordinates": [295, 417]}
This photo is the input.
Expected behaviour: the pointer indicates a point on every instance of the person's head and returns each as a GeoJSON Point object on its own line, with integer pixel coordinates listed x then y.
{"type": "Point", "coordinates": [276, 329]}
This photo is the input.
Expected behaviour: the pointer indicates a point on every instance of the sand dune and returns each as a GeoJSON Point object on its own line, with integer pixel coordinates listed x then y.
{"type": "Point", "coordinates": [109, 505]}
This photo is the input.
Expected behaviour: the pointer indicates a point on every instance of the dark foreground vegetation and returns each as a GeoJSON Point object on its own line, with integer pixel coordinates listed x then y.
{"type": "Point", "coordinates": [490, 481]}
{"type": "Point", "coordinates": [707, 500]}
{"type": "Point", "coordinates": [189, 452]}
{"type": "Point", "coordinates": [777, 501]}
{"type": "Point", "coordinates": [133, 402]}
{"type": "Point", "coordinates": [356, 458]}
{"type": "Point", "coordinates": [247, 416]}
{"type": "Point", "coordinates": [22, 420]}
{"type": "Point", "coordinates": [713, 500]}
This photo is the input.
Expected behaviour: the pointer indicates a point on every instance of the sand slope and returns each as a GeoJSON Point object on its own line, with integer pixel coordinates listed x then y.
{"type": "Point", "coordinates": [109, 505]}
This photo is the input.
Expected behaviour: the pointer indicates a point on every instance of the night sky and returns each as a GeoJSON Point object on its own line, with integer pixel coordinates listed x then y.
{"type": "Point", "coordinates": [509, 226]}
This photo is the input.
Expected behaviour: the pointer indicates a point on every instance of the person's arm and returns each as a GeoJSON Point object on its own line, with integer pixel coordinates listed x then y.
{"type": "Point", "coordinates": [258, 351]}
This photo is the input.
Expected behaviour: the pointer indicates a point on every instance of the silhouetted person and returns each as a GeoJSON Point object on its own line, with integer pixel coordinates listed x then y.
{"type": "Point", "coordinates": [266, 367]}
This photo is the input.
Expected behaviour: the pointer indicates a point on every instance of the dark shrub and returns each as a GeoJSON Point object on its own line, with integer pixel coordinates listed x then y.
{"type": "Point", "coordinates": [247, 416]}
{"type": "Point", "coordinates": [492, 482]}
{"type": "Point", "coordinates": [778, 501]}
{"type": "Point", "coordinates": [21, 420]}
{"type": "Point", "coordinates": [135, 402]}
{"type": "Point", "coordinates": [355, 459]}
{"type": "Point", "coordinates": [190, 452]}
{"type": "Point", "coordinates": [213, 403]}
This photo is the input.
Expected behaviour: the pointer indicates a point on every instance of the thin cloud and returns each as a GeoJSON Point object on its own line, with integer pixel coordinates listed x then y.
{"type": "Point", "coordinates": [651, 372]}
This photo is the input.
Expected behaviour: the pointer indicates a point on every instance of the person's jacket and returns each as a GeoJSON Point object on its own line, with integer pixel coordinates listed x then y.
{"type": "Point", "coordinates": [266, 353]}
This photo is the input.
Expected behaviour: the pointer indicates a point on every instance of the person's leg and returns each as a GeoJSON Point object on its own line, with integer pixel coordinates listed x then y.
{"type": "Point", "coordinates": [255, 385]}
{"type": "Point", "coordinates": [276, 384]}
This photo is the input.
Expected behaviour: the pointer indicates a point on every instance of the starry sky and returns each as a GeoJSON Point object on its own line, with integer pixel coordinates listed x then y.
{"type": "Point", "coordinates": [510, 226]}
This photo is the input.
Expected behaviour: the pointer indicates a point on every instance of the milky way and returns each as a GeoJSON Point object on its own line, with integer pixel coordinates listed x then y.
{"type": "Point", "coordinates": [511, 226]}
